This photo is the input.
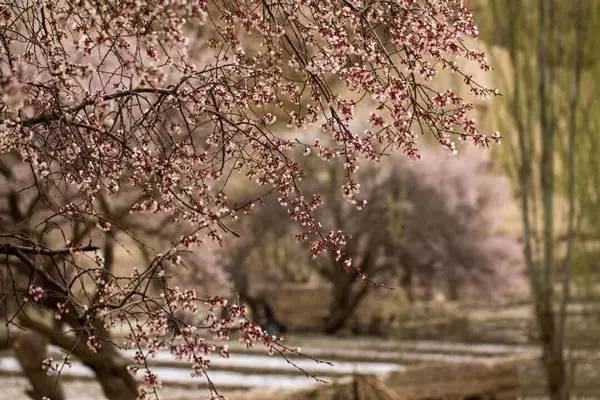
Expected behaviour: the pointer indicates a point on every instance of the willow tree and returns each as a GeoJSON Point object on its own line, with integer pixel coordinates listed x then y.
{"type": "Point", "coordinates": [551, 51]}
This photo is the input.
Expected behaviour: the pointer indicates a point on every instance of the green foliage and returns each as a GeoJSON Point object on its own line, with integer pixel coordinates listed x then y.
{"type": "Point", "coordinates": [511, 28]}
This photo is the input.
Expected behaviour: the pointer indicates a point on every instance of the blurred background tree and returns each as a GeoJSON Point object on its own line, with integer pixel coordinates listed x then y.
{"type": "Point", "coordinates": [548, 73]}
{"type": "Point", "coordinates": [434, 226]}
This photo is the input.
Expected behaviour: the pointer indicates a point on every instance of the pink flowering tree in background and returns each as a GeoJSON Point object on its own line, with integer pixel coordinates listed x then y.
{"type": "Point", "coordinates": [114, 112]}
{"type": "Point", "coordinates": [455, 224]}
{"type": "Point", "coordinates": [432, 225]}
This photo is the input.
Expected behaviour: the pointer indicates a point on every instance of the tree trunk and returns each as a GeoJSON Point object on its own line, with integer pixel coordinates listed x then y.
{"type": "Point", "coordinates": [552, 354]}
{"type": "Point", "coordinates": [344, 303]}
{"type": "Point", "coordinates": [407, 283]}
{"type": "Point", "coordinates": [31, 350]}
{"type": "Point", "coordinates": [109, 366]}
{"type": "Point", "coordinates": [114, 385]}
{"type": "Point", "coordinates": [453, 287]}
{"type": "Point", "coordinates": [552, 338]}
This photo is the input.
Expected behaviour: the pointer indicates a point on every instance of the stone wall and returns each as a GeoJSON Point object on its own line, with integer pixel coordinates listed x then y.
{"type": "Point", "coordinates": [476, 380]}
{"type": "Point", "coordinates": [473, 381]}
{"type": "Point", "coordinates": [305, 308]}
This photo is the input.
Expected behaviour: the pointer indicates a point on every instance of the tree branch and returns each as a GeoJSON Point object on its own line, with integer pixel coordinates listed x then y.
{"type": "Point", "coordinates": [15, 250]}
{"type": "Point", "coordinates": [52, 115]}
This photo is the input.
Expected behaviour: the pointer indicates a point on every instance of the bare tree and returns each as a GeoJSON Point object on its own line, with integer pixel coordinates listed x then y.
{"type": "Point", "coordinates": [544, 154]}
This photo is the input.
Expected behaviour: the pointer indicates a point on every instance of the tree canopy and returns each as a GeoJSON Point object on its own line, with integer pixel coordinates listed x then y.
{"type": "Point", "coordinates": [122, 117]}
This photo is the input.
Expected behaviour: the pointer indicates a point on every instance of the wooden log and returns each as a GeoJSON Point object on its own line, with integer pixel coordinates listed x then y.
{"type": "Point", "coordinates": [483, 380]}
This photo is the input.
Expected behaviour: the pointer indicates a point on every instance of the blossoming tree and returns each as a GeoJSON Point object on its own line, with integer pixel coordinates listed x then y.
{"type": "Point", "coordinates": [429, 224]}
{"type": "Point", "coordinates": [156, 106]}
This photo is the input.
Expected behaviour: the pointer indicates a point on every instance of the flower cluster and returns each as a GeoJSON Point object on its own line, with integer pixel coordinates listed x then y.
{"type": "Point", "coordinates": [52, 367]}
{"type": "Point", "coordinates": [36, 293]}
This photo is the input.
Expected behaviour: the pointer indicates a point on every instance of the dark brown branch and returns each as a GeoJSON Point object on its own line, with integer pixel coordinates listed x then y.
{"type": "Point", "coordinates": [13, 250]}
{"type": "Point", "coordinates": [53, 115]}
